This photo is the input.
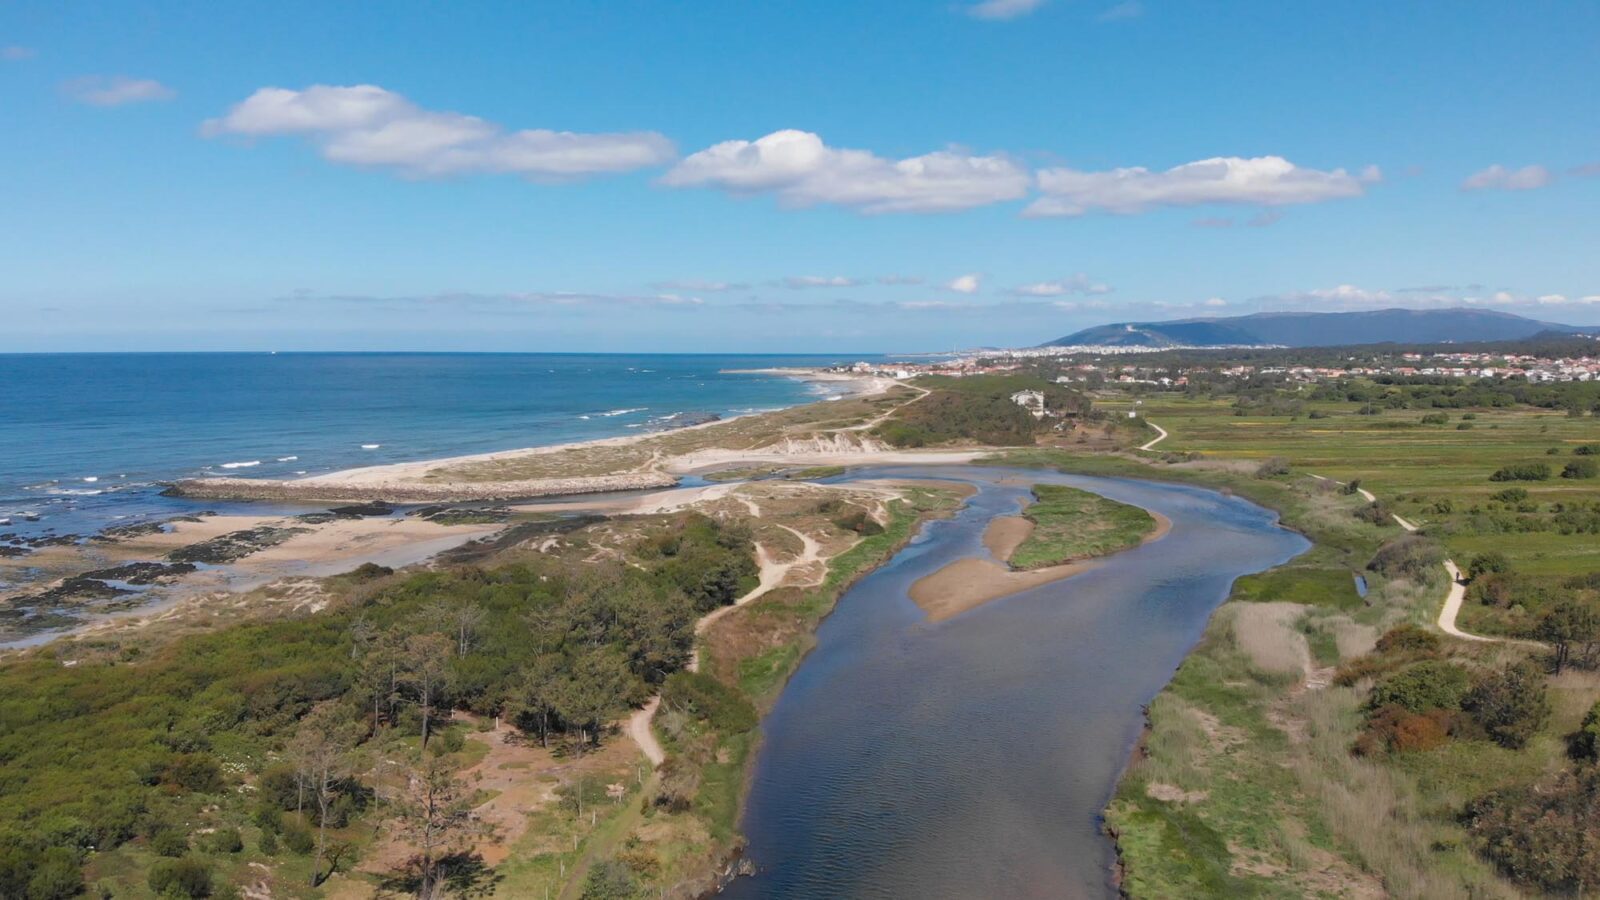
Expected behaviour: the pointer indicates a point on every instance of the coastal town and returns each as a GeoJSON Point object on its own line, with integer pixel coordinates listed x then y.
{"type": "Point", "coordinates": [1090, 365]}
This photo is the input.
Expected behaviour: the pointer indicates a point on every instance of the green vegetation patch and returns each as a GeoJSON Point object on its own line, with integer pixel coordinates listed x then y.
{"type": "Point", "coordinates": [1070, 524]}
{"type": "Point", "coordinates": [1333, 586]}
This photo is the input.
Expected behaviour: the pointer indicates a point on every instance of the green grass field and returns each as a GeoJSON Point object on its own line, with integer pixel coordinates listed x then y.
{"type": "Point", "coordinates": [1069, 524]}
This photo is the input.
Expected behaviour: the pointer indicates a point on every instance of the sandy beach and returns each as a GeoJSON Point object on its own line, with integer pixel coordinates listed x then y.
{"type": "Point", "coordinates": [973, 581]}
{"type": "Point", "coordinates": [430, 481]}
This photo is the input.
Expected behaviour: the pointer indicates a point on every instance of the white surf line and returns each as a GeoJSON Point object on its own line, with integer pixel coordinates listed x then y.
{"type": "Point", "coordinates": [1154, 441]}
{"type": "Point", "coordinates": [1458, 587]}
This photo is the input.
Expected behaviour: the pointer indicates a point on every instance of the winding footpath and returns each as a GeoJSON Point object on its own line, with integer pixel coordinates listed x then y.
{"type": "Point", "coordinates": [1156, 440]}
{"type": "Point", "coordinates": [773, 574]}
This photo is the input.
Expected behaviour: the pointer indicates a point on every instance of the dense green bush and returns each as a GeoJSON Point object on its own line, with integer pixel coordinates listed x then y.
{"type": "Point", "coordinates": [187, 877]}
{"type": "Point", "coordinates": [1522, 472]}
{"type": "Point", "coordinates": [1511, 703]}
{"type": "Point", "coordinates": [1431, 684]}
{"type": "Point", "coordinates": [707, 698]}
{"type": "Point", "coordinates": [169, 842]}
{"type": "Point", "coordinates": [1581, 468]}
{"type": "Point", "coordinates": [1484, 563]}
{"type": "Point", "coordinates": [1586, 742]}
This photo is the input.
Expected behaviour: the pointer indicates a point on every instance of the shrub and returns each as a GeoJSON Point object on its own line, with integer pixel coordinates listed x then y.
{"type": "Point", "coordinates": [57, 875]}
{"type": "Point", "coordinates": [269, 843]}
{"type": "Point", "coordinates": [169, 842]}
{"type": "Point", "coordinates": [1409, 556]}
{"type": "Point", "coordinates": [1522, 472]}
{"type": "Point", "coordinates": [1538, 834]}
{"type": "Point", "coordinates": [1273, 467]}
{"type": "Point", "coordinates": [187, 877]}
{"type": "Point", "coordinates": [1431, 684]}
{"type": "Point", "coordinates": [226, 840]}
{"type": "Point", "coordinates": [679, 784]}
{"type": "Point", "coordinates": [1435, 419]}
{"type": "Point", "coordinates": [1587, 450]}
{"type": "Point", "coordinates": [297, 837]}
{"type": "Point", "coordinates": [1408, 638]}
{"type": "Point", "coordinates": [1397, 730]}
{"type": "Point", "coordinates": [1510, 495]}
{"type": "Point", "coordinates": [1569, 621]}
{"type": "Point", "coordinates": [197, 772]}
{"type": "Point", "coordinates": [1586, 742]}
{"type": "Point", "coordinates": [1374, 513]}
{"type": "Point", "coordinates": [1510, 704]}
{"type": "Point", "coordinates": [610, 880]}
{"type": "Point", "coordinates": [1581, 468]}
{"type": "Point", "coordinates": [704, 697]}
{"type": "Point", "coordinates": [1484, 563]}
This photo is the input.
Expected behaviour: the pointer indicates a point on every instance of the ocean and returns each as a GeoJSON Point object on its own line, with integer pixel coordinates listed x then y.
{"type": "Point", "coordinates": [87, 439]}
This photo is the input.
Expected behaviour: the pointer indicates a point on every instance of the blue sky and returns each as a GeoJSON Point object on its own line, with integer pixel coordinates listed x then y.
{"type": "Point", "coordinates": [740, 176]}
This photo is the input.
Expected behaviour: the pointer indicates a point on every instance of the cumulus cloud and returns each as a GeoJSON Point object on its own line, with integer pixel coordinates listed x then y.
{"type": "Point", "coordinates": [1354, 297]}
{"type": "Point", "coordinates": [1077, 284]}
{"type": "Point", "coordinates": [898, 279]}
{"type": "Point", "coordinates": [816, 281]}
{"type": "Point", "coordinates": [965, 284]}
{"type": "Point", "coordinates": [366, 125]}
{"type": "Point", "coordinates": [117, 90]}
{"type": "Point", "coordinates": [801, 170]}
{"type": "Point", "coordinates": [1214, 302]}
{"type": "Point", "coordinates": [16, 53]}
{"type": "Point", "coordinates": [1499, 178]}
{"type": "Point", "coordinates": [1261, 181]}
{"type": "Point", "coordinates": [1003, 10]}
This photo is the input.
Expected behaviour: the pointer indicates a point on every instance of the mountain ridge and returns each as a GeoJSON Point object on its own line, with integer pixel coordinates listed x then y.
{"type": "Point", "coordinates": [1320, 329]}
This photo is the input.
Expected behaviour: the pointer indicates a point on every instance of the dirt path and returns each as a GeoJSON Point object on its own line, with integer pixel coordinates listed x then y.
{"type": "Point", "coordinates": [773, 574]}
{"type": "Point", "coordinates": [1161, 432]}
{"type": "Point", "coordinates": [1458, 587]}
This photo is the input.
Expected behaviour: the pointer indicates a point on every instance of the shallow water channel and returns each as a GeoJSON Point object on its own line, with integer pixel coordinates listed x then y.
{"type": "Point", "coordinates": [972, 758]}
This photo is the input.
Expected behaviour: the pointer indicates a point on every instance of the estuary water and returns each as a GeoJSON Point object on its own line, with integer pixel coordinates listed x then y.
{"type": "Point", "coordinates": [972, 758]}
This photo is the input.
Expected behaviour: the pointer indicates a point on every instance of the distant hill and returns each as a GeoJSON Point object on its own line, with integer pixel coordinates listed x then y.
{"type": "Point", "coordinates": [1304, 329]}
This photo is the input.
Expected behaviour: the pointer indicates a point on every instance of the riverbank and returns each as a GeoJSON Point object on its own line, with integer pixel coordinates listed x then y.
{"type": "Point", "coordinates": [972, 581]}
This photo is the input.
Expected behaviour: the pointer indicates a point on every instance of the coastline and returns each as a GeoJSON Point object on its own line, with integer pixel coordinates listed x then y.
{"type": "Point", "coordinates": [421, 481]}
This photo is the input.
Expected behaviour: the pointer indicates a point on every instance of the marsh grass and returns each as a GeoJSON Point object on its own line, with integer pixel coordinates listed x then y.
{"type": "Point", "coordinates": [1070, 524]}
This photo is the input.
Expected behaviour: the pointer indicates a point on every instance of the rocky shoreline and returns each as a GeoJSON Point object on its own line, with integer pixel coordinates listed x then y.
{"type": "Point", "coordinates": [321, 491]}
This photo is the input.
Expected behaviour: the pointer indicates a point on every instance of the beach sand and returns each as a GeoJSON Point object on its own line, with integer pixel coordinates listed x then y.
{"type": "Point", "coordinates": [973, 581]}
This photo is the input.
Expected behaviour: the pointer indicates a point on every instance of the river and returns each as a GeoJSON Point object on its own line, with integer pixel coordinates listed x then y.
{"type": "Point", "coordinates": [972, 758]}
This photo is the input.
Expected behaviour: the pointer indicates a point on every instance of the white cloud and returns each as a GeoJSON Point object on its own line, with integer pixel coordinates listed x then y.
{"type": "Point", "coordinates": [965, 284]}
{"type": "Point", "coordinates": [698, 284]}
{"type": "Point", "coordinates": [898, 279]}
{"type": "Point", "coordinates": [16, 53]}
{"type": "Point", "coordinates": [1128, 9]}
{"type": "Point", "coordinates": [1002, 10]}
{"type": "Point", "coordinates": [1077, 284]}
{"type": "Point", "coordinates": [1214, 302]}
{"type": "Point", "coordinates": [1263, 181]}
{"type": "Point", "coordinates": [1499, 178]}
{"type": "Point", "coordinates": [550, 300]}
{"type": "Point", "coordinates": [814, 281]}
{"type": "Point", "coordinates": [366, 125]}
{"type": "Point", "coordinates": [803, 171]}
{"type": "Point", "coordinates": [117, 90]}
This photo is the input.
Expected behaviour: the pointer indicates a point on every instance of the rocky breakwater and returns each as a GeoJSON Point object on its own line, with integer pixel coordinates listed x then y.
{"type": "Point", "coordinates": [321, 491]}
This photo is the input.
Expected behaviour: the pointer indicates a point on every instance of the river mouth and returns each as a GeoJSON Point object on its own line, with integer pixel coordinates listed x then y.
{"type": "Point", "coordinates": [971, 757]}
